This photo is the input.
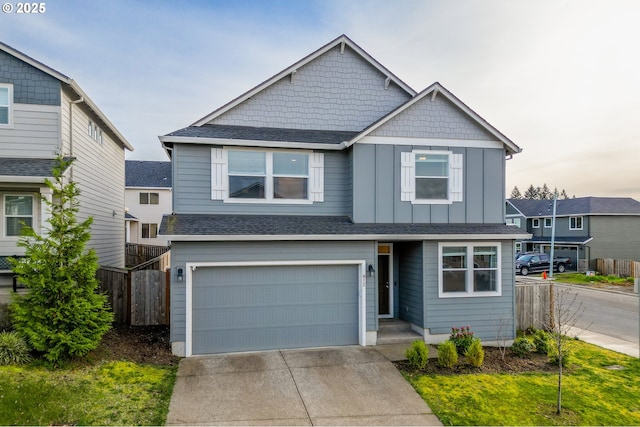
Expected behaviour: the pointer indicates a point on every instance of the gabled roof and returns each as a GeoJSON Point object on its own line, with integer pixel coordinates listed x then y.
{"type": "Point", "coordinates": [147, 174]}
{"type": "Point", "coordinates": [70, 84]}
{"type": "Point", "coordinates": [434, 90]}
{"type": "Point", "coordinates": [577, 206]}
{"type": "Point", "coordinates": [342, 40]}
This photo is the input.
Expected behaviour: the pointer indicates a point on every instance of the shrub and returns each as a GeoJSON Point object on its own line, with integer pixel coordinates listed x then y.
{"type": "Point", "coordinates": [475, 353]}
{"type": "Point", "coordinates": [5, 318]}
{"type": "Point", "coordinates": [13, 349]}
{"type": "Point", "coordinates": [541, 342]}
{"type": "Point", "coordinates": [521, 347]}
{"type": "Point", "coordinates": [447, 354]}
{"type": "Point", "coordinates": [418, 355]}
{"type": "Point", "coordinates": [461, 338]}
{"type": "Point", "coordinates": [567, 357]}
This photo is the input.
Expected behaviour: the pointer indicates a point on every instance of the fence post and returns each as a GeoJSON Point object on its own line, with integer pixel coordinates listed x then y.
{"type": "Point", "coordinates": [552, 319]}
{"type": "Point", "coordinates": [128, 294]}
{"type": "Point", "coordinates": [167, 314]}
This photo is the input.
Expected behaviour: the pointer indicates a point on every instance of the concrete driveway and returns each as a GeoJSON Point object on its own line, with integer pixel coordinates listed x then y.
{"type": "Point", "coordinates": [330, 386]}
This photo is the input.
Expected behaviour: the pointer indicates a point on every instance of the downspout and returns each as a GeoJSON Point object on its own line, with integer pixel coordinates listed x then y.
{"type": "Point", "coordinates": [77, 101]}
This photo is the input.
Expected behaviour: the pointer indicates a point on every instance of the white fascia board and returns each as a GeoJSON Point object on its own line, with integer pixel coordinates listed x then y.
{"type": "Point", "coordinates": [23, 179]}
{"type": "Point", "coordinates": [251, 143]}
{"type": "Point", "coordinates": [428, 142]}
{"type": "Point", "coordinates": [137, 187]}
{"type": "Point", "coordinates": [343, 237]}
{"type": "Point", "coordinates": [514, 207]}
{"type": "Point", "coordinates": [287, 71]}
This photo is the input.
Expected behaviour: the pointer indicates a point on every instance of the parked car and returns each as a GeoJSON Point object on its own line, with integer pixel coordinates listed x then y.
{"type": "Point", "coordinates": [535, 263]}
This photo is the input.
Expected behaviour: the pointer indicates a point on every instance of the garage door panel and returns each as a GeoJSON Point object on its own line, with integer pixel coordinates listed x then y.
{"type": "Point", "coordinates": [256, 308]}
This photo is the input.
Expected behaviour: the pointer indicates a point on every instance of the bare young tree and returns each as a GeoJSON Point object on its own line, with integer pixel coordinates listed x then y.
{"type": "Point", "coordinates": [503, 327]}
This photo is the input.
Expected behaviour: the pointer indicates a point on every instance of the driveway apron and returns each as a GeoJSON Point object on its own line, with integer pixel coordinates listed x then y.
{"type": "Point", "coordinates": [329, 386]}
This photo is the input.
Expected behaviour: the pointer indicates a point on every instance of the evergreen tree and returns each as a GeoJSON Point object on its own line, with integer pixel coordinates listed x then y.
{"type": "Point", "coordinates": [545, 193]}
{"type": "Point", "coordinates": [531, 193]}
{"type": "Point", "coordinates": [515, 193]}
{"type": "Point", "coordinates": [564, 195]}
{"type": "Point", "coordinates": [61, 315]}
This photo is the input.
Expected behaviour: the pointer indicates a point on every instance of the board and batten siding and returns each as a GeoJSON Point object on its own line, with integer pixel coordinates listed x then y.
{"type": "Point", "coordinates": [183, 252]}
{"type": "Point", "coordinates": [376, 187]}
{"type": "Point", "coordinates": [482, 314]}
{"type": "Point", "coordinates": [411, 295]}
{"type": "Point", "coordinates": [192, 187]}
{"type": "Point", "coordinates": [35, 132]}
{"type": "Point", "coordinates": [99, 172]}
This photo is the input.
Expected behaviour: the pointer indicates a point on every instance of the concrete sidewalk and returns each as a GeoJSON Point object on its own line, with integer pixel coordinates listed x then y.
{"type": "Point", "coordinates": [605, 341]}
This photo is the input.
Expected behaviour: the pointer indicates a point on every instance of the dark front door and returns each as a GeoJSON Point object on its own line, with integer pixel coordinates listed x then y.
{"type": "Point", "coordinates": [384, 286]}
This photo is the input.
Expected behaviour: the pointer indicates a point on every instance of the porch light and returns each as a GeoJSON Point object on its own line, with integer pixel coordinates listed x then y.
{"type": "Point", "coordinates": [371, 270]}
{"type": "Point", "coordinates": [180, 275]}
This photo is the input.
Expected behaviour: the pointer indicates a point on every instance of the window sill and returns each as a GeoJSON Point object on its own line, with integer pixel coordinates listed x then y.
{"type": "Point", "coordinates": [431, 202]}
{"type": "Point", "coordinates": [268, 201]}
{"type": "Point", "coordinates": [469, 294]}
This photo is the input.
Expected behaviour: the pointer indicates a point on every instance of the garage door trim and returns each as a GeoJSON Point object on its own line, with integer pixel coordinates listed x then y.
{"type": "Point", "coordinates": [362, 288]}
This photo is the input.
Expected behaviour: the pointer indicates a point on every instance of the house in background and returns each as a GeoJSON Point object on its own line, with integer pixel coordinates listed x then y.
{"type": "Point", "coordinates": [587, 228]}
{"type": "Point", "coordinates": [147, 199]}
{"type": "Point", "coordinates": [44, 113]}
{"type": "Point", "coordinates": [329, 198]}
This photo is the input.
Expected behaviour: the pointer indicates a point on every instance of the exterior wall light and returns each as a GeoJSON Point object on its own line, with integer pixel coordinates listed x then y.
{"type": "Point", "coordinates": [180, 275]}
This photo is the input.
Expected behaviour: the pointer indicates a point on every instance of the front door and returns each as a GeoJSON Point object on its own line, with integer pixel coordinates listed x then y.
{"type": "Point", "coordinates": [385, 288]}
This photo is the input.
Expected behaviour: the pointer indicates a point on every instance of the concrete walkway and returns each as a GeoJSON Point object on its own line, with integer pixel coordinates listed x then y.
{"type": "Point", "coordinates": [331, 386]}
{"type": "Point", "coordinates": [621, 346]}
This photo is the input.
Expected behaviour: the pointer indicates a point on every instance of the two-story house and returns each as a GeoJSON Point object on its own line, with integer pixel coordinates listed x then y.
{"type": "Point", "coordinates": [331, 196]}
{"type": "Point", "coordinates": [147, 200]}
{"type": "Point", "coordinates": [586, 228]}
{"type": "Point", "coordinates": [43, 114]}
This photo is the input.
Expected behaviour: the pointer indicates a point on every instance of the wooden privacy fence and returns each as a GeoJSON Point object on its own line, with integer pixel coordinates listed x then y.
{"type": "Point", "coordinates": [618, 267]}
{"type": "Point", "coordinates": [533, 305]}
{"type": "Point", "coordinates": [140, 295]}
{"type": "Point", "coordinates": [136, 254]}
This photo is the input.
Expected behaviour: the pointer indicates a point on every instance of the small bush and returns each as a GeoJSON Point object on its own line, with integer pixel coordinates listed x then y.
{"type": "Point", "coordinates": [5, 318]}
{"type": "Point", "coordinates": [554, 359]}
{"type": "Point", "coordinates": [418, 355]}
{"type": "Point", "coordinates": [461, 338]}
{"type": "Point", "coordinates": [541, 342]}
{"type": "Point", "coordinates": [13, 349]}
{"type": "Point", "coordinates": [521, 347]}
{"type": "Point", "coordinates": [475, 353]}
{"type": "Point", "coordinates": [447, 354]}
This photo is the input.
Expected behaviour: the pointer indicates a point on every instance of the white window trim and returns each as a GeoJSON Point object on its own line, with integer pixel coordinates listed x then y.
{"type": "Point", "coordinates": [575, 218]}
{"type": "Point", "coordinates": [148, 193]}
{"type": "Point", "coordinates": [408, 178]}
{"type": "Point", "coordinates": [470, 293]}
{"type": "Point", "coordinates": [550, 222]}
{"type": "Point", "coordinates": [220, 177]}
{"type": "Point", "coordinates": [11, 104]}
{"type": "Point", "coordinates": [535, 223]}
{"type": "Point", "coordinates": [149, 224]}
{"type": "Point", "coordinates": [5, 216]}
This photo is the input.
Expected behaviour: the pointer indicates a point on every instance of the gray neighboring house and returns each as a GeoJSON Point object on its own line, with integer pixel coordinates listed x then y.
{"type": "Point", "coordinates": [587, 228]}
{"type": "Point", "coordinates": [44, 113]}
{"type": "Point", "coordinates": [332, 196]}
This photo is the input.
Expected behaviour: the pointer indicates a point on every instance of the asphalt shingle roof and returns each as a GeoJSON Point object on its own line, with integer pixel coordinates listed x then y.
{"type": "Point", "coordinates": [27, 167]}
{"type": "Point", "coordinates": [578, 206]}
{"type": "Point", "coordinates": [265, 225]}
{"type": "Point", "coordinates": [265, 134]}
{"type": "Point", "coordinates": [147, 174]}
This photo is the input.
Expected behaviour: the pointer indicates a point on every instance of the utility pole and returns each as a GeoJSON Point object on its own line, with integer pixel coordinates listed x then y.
{"type": "Point", "coordinates": [553, 234]}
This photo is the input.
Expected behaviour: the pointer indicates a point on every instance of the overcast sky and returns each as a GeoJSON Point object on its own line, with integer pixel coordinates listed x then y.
{"type": "Point", "coordinates": [560, 78]}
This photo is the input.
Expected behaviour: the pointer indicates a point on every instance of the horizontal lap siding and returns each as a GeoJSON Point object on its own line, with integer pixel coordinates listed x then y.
{"type": "Point", "coordinates": [183, 252]}
{"type": "Point", "coordinates": [483, 314]}
{"type": "Point", "coordinates": [35, 132]}
{"type": "Point", "coordinates": [192, 187]}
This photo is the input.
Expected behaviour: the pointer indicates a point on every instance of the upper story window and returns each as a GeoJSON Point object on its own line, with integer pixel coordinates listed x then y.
{"type": "Point", "coordinates": [575, 223]}
{"type": "Point", "coordinates": [431, 177]}
{"type": "Point", "coordinates": [18, 212]}
{"type": "Point", "coordinates": [260, 176]}
{"type": "Point", "coordinates": [469, 269]}
{"type": "Point", "coordinates": [94, 131]}
{"type": "Point", "coordinates": [513, 221]}
{"type": "Point", "coordinates": [149, 198]}
{"type": "Point", "coordinates": [547, 222]}
{"type": "Point", "coordinates": [6, 99]}
{"type": "Point", "coordinates": [535, 223]}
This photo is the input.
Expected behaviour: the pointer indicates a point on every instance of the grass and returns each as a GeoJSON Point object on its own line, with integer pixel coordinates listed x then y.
{"type": "Point", "coordinates": [583, 279]}
{"type": "Point", "coordinates": [591, 394]}
{"type": "Point", "coordinates": [107, 393]}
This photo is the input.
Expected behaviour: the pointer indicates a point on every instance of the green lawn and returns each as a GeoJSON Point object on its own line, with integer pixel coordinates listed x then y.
{"type": "Point", "coordinates": [592, 394]}
{"type": "Point", "coordinates": [583, 279]}
{"type": "Point", "coordinates": [107, 393]}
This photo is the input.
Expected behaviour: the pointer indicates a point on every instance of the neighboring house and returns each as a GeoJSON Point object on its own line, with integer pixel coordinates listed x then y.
{"type": "Point", "coordinates": [587, 228]}
{"type": "Point", "coordinates": [330, 196]}
{"type": "Point", "coordinates": [44, 113]}
{"type": "Point", "coordinates": [147, 199]}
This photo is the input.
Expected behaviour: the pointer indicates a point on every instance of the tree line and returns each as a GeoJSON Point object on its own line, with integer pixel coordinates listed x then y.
{"type": "Point", "coordinates": [539, 193]}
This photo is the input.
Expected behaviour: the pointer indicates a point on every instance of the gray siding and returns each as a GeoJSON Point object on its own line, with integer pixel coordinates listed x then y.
{"type": "Point", "coordinates": [481, 313]}
{"type": "Point", "coordinates": [411, 303]}
{"type": "Point", "coordinates": [562, 227]}
{"type": "Point", "coordinates": [192, 187]}
{"type": "Point", "coordinates": [183, 252]}
{"type": "Point", "coordinates": [35, 132]}
{"type": "Point", "coordinates": [334, 92]}
{"type": "Point", "coordinates": [616, 237]}
{"type": "Point", "coordinates": [376, 187]}
{"type": "Point", "coordinates": [30, 85]}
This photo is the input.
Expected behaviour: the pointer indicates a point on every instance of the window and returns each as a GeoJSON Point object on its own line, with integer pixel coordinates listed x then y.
{"type": "Point", "coordinates": [94, 131]}
{"type": "Point", "coordinates": [547, 222]}
{"type": "Point", "coordinates": [18, 212]}
{"type": "Point", "coordinates": [469, 269]}
{"type": "Point", "coordinates": [149, 231]}
{"type": "Point", "coordinates": [6, 99]}
{"type": "Point", "coordinates": [535, 223]}
{"type": "Point", "coordinates": [149, 198]}
{"type": "Point", "coordinates": [575, 223]}
{"type": "Point", "coordinates": [513, 221]}
{"type": "Point", "coordinates": [431, 177]}
{"type": "Point", "coordinates": [278, 176]}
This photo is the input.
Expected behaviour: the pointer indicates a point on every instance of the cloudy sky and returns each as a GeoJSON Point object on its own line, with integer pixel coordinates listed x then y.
{"type": "Point", "coordinates": [559, 78]}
